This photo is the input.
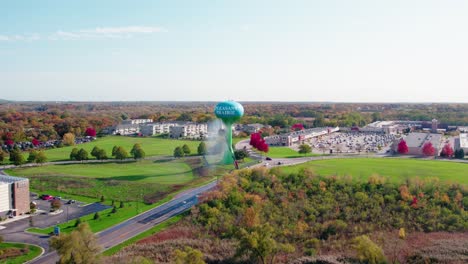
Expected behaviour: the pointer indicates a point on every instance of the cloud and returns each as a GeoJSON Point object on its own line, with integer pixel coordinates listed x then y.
{"type": "Point", "coordinates": [94, 33]}
{"type": "Point", "coordinates": [106, 32]}
{"type": "Point", "coordinates": [19, 37]}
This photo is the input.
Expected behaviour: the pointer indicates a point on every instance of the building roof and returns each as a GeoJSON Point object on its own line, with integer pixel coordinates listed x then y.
{"type": "Point", "coordinates": [418, 139]}
{"type": "Point", "coordinates": [10, 179]}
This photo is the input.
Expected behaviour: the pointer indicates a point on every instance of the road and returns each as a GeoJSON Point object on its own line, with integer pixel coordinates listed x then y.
{"type": "Point", "coordinates": [136, 225]}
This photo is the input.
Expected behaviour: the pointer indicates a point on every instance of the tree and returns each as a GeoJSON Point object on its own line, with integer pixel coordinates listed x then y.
{"type": "Point", "coordinates": [114, 150]}
{"type": "Point", "coordinates": [240, 154]}
{"type": "Point", "coordinates": [121, 153]}
{"type": "Point", "coordinates": [32, 207]}
{"type": "Point", "coordinates": [402, 147]}
{"type": "Point", "coordinates": [74, 154]}
{"type": "Point", "coordinates": [55, 204]}
{"type": "Point", "coordinates": [368, 251]}
{"type": "Point", "coordinates": [447, 151]}
{"type": "Point", "coordinates": [90, 132]}
{"type": "Point", "coordinates": [41, 157]}
{"type": "Point", "coordinates": [186, 149]}
{"type": "Point", "coordinates": [77, 222]}
{"type": "Point", "coordinates": [68, 139]}
{"type": "Point", "coordinates": [428, 149]}
{"type": "Point", "coordinates": [35, 142]}
{"type": "Point", "coordinates": [95, 151]}
{"type": "Point", "coordinates": [96, 216]}
{"type": "Point", "coordinates": [305, 149]}
{"type": "Point", "coordinates": [16, 157]}
{"type": "Point", "coordinates": [2, 156]}
{"type": "Point", "coordinates": [79, 247]}
{"type": "Point", "coordinates": [82, 155]}
{"type": "Point", "coordinates": [121, 204]}
{"type": "Point", "coordinates": [178, 152]}
{"type": "Point", "coordinates": [201, 148]}
{"type": "Point", "coordinates": [188, 256]}
{"type": "Point", "coordinates": [137, 152]}
{"type": "Point", "coordinates": [32, 156]}
{"type": "Point", "coordinates": [101, 155]}
{"type": "Point", "coordinates": [460, 154]}
{"type": "Point", "coordinates": [297, 127]}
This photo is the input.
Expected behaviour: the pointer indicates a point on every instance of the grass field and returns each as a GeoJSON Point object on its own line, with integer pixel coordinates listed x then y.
{"type": "Point", "coordinates": [153, 146]}
{"type": "Point", "coordinates": [397, 170]}
{"type": "Point", "coordinates": [33, 251]}
{"type": "Point", "coordinates": [118, 181]}
{"type": "Point", "coordinates": [285, 152]}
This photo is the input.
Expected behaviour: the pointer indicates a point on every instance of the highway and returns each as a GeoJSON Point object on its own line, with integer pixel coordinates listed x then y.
{"type": "Point", "coordinates": [140, 223]}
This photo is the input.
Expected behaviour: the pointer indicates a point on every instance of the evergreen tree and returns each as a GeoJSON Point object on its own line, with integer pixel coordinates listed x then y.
{"type": "Point", "coordinates": [201, 148]}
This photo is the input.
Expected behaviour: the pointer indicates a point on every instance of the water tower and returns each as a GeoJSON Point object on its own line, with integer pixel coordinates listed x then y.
{"type": "Point", "coordinates": [229, 112]}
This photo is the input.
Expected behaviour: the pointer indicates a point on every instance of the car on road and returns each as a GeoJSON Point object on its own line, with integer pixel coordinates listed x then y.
{"type": "Point", "coordinates": [268, 158]}
{"type": "Point", "coordinates": [46, 197]}
{"type": "Point", "coordinates": [71, 202]}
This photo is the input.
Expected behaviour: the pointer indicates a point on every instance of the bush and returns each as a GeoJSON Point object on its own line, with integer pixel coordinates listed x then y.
{"type": "Point", "coordinates": [114, 210]}
{"type": "Point", "coordinates": [121, 205]}
{"type": "Point", "coordinates": [96, 216]}
{"type": "Point", "coordinates": [368, 251]}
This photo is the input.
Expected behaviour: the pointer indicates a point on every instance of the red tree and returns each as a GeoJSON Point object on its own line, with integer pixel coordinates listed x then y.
{"type": "Point", "coordinates": [428, 149]}
{"type": "Point", "coordinates": [297, 127]}
{"type": "Point", "coordinates": [90, 132]}
{"type": "Point", "coordinates": [402, 147]}
{"type": "Point", "coordinates": [9, 142]}
{"type": "Point", "coordinates": [447, 151]}
{"type": "Point", "coordinates": [35, 142]}
{"type": "Point", "coordinates": [254, 139]}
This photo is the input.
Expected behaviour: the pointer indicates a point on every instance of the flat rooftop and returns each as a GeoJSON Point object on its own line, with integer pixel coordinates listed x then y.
{"type": "Point", "coordinates": [418, 139]}
{"type": "Point", "coordinates": [464, 140]}
{"type": "Point", "coordinates": [10, 179]}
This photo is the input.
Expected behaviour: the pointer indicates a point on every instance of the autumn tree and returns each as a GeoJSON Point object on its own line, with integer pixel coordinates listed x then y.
{"type": "Point", "coordinates": [68, 139]}
{"type": "Point", "coordinates": [428, 149]}
{"type": "Point", "coordinates": [2, 156]}
{"type": "Point", "coordinates": [90, 132]}
{"type": "Point", "coordinates": [201, 150]}
{"type": "Point", "coordinates": [35, 142]}
{"type": "Point", "coordinates": [32, 156]}
{"type": "Point", "coordinates": [447, 151]}
{"type": "Point", "coordinates": [79, 247]}
{"type": "Point", "coordinates": [305, 149]}
{"type": "Point", "coordinates": [41, 157]}
{"type": "Point", "coordinates": [367, 251]}
{"type": "Point", "coordinates": [240, 154]}
{"type": "Point", "coordinates": [297, 127]}
{"type": "Point", "coordinates": [188, 256]}
{"type": "Point", "coordinates": [402, 147]}
{"type": "Point", "coordinates": [55, 204]}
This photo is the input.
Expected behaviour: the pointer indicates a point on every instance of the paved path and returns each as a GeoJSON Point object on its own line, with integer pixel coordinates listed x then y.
{"type": "Point", "coordinates": [136, 225]}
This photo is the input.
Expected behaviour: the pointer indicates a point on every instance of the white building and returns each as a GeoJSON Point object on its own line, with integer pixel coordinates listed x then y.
{"type": "Point", "coordinates": [150, 129]}
{"type": "Point", "coordinates": [126, 129]}
{"type": "Point", "coordinates": [462, 142]}
{"type": "Point", "coordinates": [14, 195]}
{"type": "Point", "coordinates": [136, 121]}
{"type": "Point", "coordinates": [189, 130]}
{"type": "Point", "coordinates": [416, 142]}
{"type": "Point", "coordinates": [297, 137]}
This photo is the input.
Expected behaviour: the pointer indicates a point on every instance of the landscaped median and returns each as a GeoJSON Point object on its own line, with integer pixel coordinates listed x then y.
{"type": "Point", "coordinates": [17, 253]}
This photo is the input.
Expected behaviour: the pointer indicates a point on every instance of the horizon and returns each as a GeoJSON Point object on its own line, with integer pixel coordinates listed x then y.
{"type": "Point", "coordinates": [302, 51]}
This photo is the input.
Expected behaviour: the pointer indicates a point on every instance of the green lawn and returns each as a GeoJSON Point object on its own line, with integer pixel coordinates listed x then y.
{"type": "Point", "coordinates": [397, 170]}
{"type": "Point", "coordinates": [118, 181]}
{"type": "Point", "coordinates": [33, 251]}
{"type": "Point", "coordinates": [285, 152]}
{"type": "Point", "coordinates": [153, 146]}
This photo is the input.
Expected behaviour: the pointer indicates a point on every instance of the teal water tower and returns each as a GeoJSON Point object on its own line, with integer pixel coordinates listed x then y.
{"type": "Point", "coordinates": [229, 112]}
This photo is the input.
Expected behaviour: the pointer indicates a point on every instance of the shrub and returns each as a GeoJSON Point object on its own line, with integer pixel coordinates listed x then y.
{"type": "Point", "coordinates": [368, 251]}
{"type": "Point", "coordinates": [96, 216]}
{"type": "Point", "coordinates": [77, 222]}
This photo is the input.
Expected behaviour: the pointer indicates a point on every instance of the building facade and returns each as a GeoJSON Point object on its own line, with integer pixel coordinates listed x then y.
{"type": "Point", "coordinates": [298, 137]}
{"type": "Point", "coordinates": [416, 141]}
{"type": "Point", "coordinates": [189, 130]}
{"type": "Point", "coordinates": [462, 142]}
{"type": "Point", "coordinates": [14, 195]}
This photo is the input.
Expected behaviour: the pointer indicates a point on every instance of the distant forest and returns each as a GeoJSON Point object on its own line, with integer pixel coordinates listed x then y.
{"type": "Point", "coordinates": [24, 121]}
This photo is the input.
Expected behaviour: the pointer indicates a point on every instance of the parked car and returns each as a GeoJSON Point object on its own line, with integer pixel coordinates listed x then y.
{"type": "Point", "coordinates": [46, 197]}
{"type": "Point", "coordinates": [71, 202]}
{"type": "Point", "coordinates": [268, 158]}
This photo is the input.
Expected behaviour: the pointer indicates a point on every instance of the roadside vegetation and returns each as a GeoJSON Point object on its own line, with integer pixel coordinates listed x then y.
{"type": "Point", "coordinates": [17, 253]}
{"type": "Point", "coordinates": [261, 216]}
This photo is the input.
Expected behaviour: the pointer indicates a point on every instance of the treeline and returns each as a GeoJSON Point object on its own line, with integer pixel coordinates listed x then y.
{"type": "Point", "coordinates": [118, 152]}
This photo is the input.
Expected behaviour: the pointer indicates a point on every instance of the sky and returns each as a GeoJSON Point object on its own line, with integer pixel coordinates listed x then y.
{"type": "Point", "coordinates": [204, 50]}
